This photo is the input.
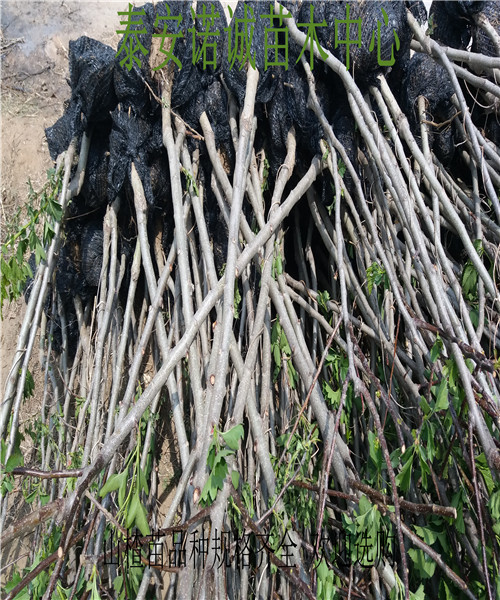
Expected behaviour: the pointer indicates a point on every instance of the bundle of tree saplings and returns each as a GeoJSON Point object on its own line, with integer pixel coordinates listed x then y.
{"type": "Point", "coordinates": [284, 279]}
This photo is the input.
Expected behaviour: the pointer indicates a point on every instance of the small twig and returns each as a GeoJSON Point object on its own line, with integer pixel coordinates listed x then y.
{"type": "Point", "coordinates": [419, 509]}
{"type": "Point", "coordinates": [106, 513]}
{"type": "Point", "coordinates": [47, 474]}
{"type": "Point", "coordinates": [29, 522]}
{"type": "Point", "coordinates": [328, 492]}
{"type": "Point", "coordinates": [6, 43]}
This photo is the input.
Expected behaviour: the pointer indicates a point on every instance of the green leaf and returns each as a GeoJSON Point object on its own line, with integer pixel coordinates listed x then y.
{"type": "Point", "coordinates": [143, 484]}
{"type": "Point", "coordinates": [395, 457]}
{"type": "Point", "coordinates": [33, 239]}
{"type": "Point", "coordinates": [118, 583]}
{"type": "Point", "coordinates": [375, 450]}
{"type": "Point", "coordinates": [215, 482]}
{"type": "Point", "coordinates": [21, 249]}
{"type": "Point", "coordinates": [235, 479]}
{"type": "Point", "coordinates": [368, 519]}
{"type": "Point", "coordinates": [6, 485]}
{"type": "Point", "coordinates": [474, 317]}
{"type": "Point", "coordinates": [39, 252]}
{"type": "Point", "coordinates": [113, 483]}
{"type": "Point", "coordinates": [331, 395]}
{"type": "Point", "coordinates": [451, 371]}
{"type": "Point", "coordinates": [233, 436]}
{"type": "Point", "coordinates": [16, 459]}
{"type": "Point", "coordinates": [219, 474]}
{"type": "Point", "coordinates": [282, 440]}
{"type": "Point", "coordinates": [423, 564]}
{"type": "Point", "coordinates": [348, 524]}
{"type": "Point", "coordinates": [284, 345]}
{"type": "Point", "coordinates": [292, 375]}
{"type": "Point", "coordinates": [445, 590]}
{"type": "Point", "coordinates": [458, 503]}
{"type": "Point", "coordinates": [376, 275]}
{"type": "Point", "coordinates": [322, 299]}
{"type": "Point", "coordinates": [442, 396]}
{"type": "Point", "coordinates": [494, 506]}
{"type": "Point", "coordinates": [277, 355]}
{"type": "Point", "coordinates": [246, 494]}
{"type": "Point", "coordinates": [92, 586]}
{"type": "Point", "coordinates": [132, 509]}
{"type": "Point", "coordinates": [122, 491]}
{"type": "Point", "coordinates": [206, 493]}
{"type": "Point", "coordinates": [322, 570]}
{"type": "Point", "coordinates": [141, 520]}
{"type": "Point", "coordinates": [221, 456]}
{"type": "Point", "coordinates": [419, 594]}
{"type": "Point", "coordinates": [428, 535]}
{"type": "Point", "coordinates": [275, 332]}
{"type": "Point", "coordinates": [403, 478]}
{"type": "Point", "coordinates": [29, 385]}
{"type": "Point", "coordinates": [436, 348]}
{"type": "Point", "coordinates": [478, 246]}
{"type": "Point", "coordinates": [469, 281]}
{"type": "Point", "coordinates": [424, 405]}
{"type": "Point", "coordinates": [428, 434]}
{"type": "Point", "coordinates": [364, 505]}
{"type": "Point", "coordinates": [484, 469]}
{"type": "Point", "coordinates": [16, 579]}
{"type": "Point", "coordinates": [325, 588]}
{"type": "Point", "coordinates": [424, 468]}
{"type": "Point", "coordinates": [278, 265]}
{"type": "Point", "coordinates": [341, 165]}
{"type": "Point", "coordinates": [211, 455]}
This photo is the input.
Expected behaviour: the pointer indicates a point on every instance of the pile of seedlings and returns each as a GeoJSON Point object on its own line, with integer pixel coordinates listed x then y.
{"type": "Point", "coordinates": [287, 275]}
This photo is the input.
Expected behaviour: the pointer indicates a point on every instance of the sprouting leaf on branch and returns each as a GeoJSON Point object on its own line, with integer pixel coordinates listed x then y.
{"type": "Point", "coordinates": [42, 212]}
{"type": "Point", "coordinates": [436, 348]}
{"type": "Point", "coordinates": [375, 276]}
{"type": "Point", "coordinates": [233, 436]}
{"type": "Point", "coordinates": [223, 444]}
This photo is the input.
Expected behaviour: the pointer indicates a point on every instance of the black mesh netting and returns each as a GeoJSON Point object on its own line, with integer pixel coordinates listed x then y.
{"type": "Point", "coordinates": [91, 67]}
{"type": "Point", "coordinates": [91, 253]}
{"type": "Point", "coordinates": [451, 22]}
{"type": "Point", "coordinates": [95, 185]}
{"type": "Point", "coordinates": [424, 77]}
{"type": "Point", "coordinates": [376, 25]}
{"type": "Point", "coordinates": [483, 42]}
{"type": "Point", "coordinates": [249, 19]}
{"type": "Point", "coordinates": [132, 138]}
